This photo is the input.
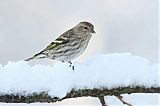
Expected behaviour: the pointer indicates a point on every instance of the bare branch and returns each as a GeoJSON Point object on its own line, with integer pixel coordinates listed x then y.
{"type": "Point", "coordinates": [121, 99]}
{"type": "Point", "coordinates": [44, 97]}
{"type": "Point", "coordinates": [102, 100]}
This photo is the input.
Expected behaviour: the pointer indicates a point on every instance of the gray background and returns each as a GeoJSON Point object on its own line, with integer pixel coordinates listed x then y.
{"type": "Point", "coordinates": [27, 26]}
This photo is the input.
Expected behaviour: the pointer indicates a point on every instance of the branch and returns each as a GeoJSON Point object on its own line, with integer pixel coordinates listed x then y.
{"type": "Point", "coordinates": [121, 99]}
{"type": "Point", "coordinates": [101, 98]}
{"type": "Point", "coordinates": [44, 97]}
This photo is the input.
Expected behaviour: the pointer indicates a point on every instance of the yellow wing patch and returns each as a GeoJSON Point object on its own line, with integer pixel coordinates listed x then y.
{"type": "Point", "coordinates": [57, 42]}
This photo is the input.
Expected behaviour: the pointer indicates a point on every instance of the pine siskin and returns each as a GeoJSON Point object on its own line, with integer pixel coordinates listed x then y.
{"type": "Point", "coordinates": [69, 45]}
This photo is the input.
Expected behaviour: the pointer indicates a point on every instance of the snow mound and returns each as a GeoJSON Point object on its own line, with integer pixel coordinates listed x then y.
{"type": "Point", "coordinates": [111, 70]}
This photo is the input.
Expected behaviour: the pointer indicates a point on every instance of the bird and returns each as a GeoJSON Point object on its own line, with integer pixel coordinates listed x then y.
{"type": "Point", "coordinates": [68, 46]}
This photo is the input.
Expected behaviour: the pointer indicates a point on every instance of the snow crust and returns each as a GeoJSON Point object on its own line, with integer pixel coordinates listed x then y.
{"type": "Point", "coordinates": [101, 70]}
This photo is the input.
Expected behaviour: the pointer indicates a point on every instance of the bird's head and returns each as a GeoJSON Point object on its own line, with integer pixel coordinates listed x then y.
{"type": "Point", "coordinates": [84, 28]}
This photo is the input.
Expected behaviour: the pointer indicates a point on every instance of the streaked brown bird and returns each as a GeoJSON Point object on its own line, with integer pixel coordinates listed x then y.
{"type": "Point", "coordinates": [69, 45]}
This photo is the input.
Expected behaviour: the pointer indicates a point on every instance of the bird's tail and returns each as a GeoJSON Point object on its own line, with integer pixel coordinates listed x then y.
{"type": "Point", "coordinates": [36, 56]}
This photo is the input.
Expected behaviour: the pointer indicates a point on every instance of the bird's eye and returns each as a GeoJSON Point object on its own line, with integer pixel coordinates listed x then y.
{"type": "Point", "coordinates": [85, 28]}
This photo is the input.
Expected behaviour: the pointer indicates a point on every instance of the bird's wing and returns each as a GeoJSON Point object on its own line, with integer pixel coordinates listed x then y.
{"type": "Point", "coordinates": [63, 39]}
{"type": "Point", "coordinates": [59, 41]}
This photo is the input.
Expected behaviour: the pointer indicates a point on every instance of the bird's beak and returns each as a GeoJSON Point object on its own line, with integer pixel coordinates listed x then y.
{"type": "Point", "coordinates": [93, 31]}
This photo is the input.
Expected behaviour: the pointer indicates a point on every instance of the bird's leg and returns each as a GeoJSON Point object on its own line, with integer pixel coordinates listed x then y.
{"type": "Point", "coordinates": [73, 68]}
{"type": "Point", "coordinates": [71, 65]}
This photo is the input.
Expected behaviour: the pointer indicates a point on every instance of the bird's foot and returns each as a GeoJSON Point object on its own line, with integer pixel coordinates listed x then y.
{"type": "Point", "coordinates": [73, 68]}
{"type": "Point", "coordinates": [71, 65]}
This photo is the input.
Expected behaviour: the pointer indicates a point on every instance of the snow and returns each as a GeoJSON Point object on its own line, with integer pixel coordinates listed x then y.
{"type": "Point", "coordinates": [101, 70]}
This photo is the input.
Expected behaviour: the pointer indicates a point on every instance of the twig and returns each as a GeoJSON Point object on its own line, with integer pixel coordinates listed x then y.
{"type": "Point", "coordinates": [101, 98]}
{"type": "Point", "coordinates": [124, 102]}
